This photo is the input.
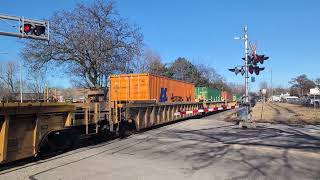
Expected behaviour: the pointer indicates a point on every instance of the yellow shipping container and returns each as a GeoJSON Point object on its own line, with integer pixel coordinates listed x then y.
{"type": "Point", "coordinates": [131, 87]}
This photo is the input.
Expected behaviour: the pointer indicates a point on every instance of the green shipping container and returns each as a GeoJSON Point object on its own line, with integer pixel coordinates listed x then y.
{"type": "Point", "coordinates": [207, 94]}
{"type": "Point", "coordinates": [237, 97]}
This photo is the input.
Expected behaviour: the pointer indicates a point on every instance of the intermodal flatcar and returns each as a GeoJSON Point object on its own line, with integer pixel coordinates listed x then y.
{"type": "Point", "coordinates": [135, 101]}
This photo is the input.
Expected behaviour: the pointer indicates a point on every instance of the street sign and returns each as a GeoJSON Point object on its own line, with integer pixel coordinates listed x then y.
{"type": "Point", "coordinates": [253, 79]}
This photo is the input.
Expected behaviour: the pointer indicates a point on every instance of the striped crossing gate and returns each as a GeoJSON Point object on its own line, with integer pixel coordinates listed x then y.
{"type": "Point", "coordinates": [204, 110]}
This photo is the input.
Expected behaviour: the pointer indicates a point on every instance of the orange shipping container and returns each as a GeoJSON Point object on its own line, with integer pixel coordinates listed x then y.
{"type": "Point", "coordinates": [226, 96]}
{"type": "Point", "coordinates": [130, 87]}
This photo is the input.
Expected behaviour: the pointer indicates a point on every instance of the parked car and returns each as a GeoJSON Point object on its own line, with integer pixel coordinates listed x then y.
{"type": "Point", "coordinates": [313, 101]}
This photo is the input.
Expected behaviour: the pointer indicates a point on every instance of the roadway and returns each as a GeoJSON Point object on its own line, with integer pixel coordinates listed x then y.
{"type": "Point", "coordinates": [207, 148]}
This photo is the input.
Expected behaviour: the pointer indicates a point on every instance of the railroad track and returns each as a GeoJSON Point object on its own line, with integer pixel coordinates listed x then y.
{"type": "Point", "coordinates": [285, 115]}
{"type": "Point", "coordinates": [285, 108]}
{"type": "Point", "coordinates": [274, 109]}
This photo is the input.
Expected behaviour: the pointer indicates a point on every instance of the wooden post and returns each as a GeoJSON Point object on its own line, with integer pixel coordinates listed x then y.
{"type": "Point", "coordinates": [47, 94]}
{"type": "Point", "coordinates": [96, 115]}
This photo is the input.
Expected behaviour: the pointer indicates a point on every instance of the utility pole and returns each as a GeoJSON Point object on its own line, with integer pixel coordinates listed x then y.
{"type": "Point", "coordinates": [21, 88]}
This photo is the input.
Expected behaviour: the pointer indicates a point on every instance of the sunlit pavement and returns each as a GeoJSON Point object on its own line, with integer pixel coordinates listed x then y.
{"type": "Point", "coordinates": [194, 149]}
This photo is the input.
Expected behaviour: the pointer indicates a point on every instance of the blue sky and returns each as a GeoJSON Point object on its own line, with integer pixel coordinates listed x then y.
{"type": "Point", "coordinates": [287, 31]}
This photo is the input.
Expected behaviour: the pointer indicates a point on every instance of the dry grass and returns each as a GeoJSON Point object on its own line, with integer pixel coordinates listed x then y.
{"type": "Point", "coordinates": [285, 113]}
{"type": "Point", "coordinates": [268, 115]}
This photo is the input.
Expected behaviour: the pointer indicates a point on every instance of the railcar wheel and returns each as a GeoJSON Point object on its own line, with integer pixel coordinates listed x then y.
{"type": "Point", "coordinates": [59, 141]}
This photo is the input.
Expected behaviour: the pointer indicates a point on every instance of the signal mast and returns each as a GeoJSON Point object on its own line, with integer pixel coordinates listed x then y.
{"type": "Point", "coordinates": [250, 66]}
{"type": "Point", "coordinates": [26, 28]}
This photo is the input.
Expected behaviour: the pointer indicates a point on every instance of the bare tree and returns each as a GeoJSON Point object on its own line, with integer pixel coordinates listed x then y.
{"type": "Point", "coordinates": [301, 84]}
{"type": "Point", "coordinates": [153, 62]}
{"type": "Point", "coordinates": [211, 74]}
{"type": "Point", "coordinates": [92, 41]}
{"type": "Point", "coordinates": [150, 62]}
{"type": "Point", "coordinates": [9, 75]}
{"type": "Point", "coordinates": [317, 82]}
{"type": "Point", "coordinates": [280, 90]}
{"type": "Point", "coordinates": [9, 79]}
{"type": "Point", "coordinates": [200, 75]}
{"type": "Point", "coordinates": [36, 82]}
{"type": "Point", "coordinates": [237, 88]}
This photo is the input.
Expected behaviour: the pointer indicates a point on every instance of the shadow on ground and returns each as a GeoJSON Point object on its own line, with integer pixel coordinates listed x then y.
{"type": "Point", "coordinates": [264, 152]}
{"type": "Point", "coordinates": [267, 152]}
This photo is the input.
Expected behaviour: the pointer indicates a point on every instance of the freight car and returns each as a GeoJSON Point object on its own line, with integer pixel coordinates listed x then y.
{"type": "Point", "coordinates": [237, 97]}
{"type": "Point", "coordinates": [207, 94]}
{"type": "Point", "coordinates": [137, 101]}
{"type": "Point", "coordinates": [226, 96]}
{"type": "Point", "coordinates": [213, 95]}
{"type": "Point", "coordinates": [141, 87]}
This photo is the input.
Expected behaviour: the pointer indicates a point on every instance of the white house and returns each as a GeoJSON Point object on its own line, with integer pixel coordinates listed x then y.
{"type": "Point", "coordinates": [315, 91]}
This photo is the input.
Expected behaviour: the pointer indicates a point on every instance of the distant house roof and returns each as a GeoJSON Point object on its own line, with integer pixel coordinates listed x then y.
{"type": "Point", "coordinates": [290, 97]}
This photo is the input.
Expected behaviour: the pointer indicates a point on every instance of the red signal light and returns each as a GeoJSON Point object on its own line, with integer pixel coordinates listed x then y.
{"type": "Point", "coordinates": [257, 71]}
{"type": "Point", "coordinates": [26, 28]}
{"type": "Point", "coordinates": [251, 69]}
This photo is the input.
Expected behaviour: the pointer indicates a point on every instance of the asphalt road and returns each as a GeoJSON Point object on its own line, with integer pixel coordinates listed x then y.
{"type": "Point", "coordinates": [207, 148]}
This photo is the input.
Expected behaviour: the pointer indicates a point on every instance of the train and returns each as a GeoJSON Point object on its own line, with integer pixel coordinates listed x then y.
{"type": "Point", "coordinates": [215, 95]}
{"type": "Point", "coordinates": [133, 102]}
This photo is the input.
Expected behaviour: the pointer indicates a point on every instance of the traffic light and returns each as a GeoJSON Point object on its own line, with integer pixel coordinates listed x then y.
{"type": "Point", "coordinates": [255, 69]}
{"type": "Point", "coordinates": [251, 69]}
{"type": "Point", "coordinates": [255, 59]}
{"type": "Point", "coordinates": [238, 70]}
{"type": "Point", "coordinates": [39, 30]}
{"type": "Point", "coordinates": [33, 29]}
{"type": "Point", "coordinates": [250, 59]}
{"type": "Point", "coordinates": [258, 69]}
{"type": "Point", "coordinates": [260, 58]}
{"type": "Point", "coordinates": [27, 28]}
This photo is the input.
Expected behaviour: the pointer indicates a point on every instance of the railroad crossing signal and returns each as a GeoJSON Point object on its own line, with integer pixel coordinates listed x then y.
{"type": "Point", "coordinates": [33, 29]}
{"type": "Point", "coordinates": [254, 59]}
{"type": "Point", "coordinates": [237, 70]}
{"type": "Point", "coordinates": [255, 69]}
{"type": "Point", "coordinates": [260, 58]}
{"type": "Point", "coordinates": [26, 28]}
